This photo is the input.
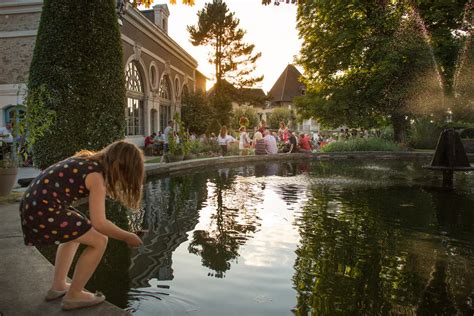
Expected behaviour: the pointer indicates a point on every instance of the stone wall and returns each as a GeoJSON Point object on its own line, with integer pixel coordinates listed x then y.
{"type": "Point", "coordinates": [15, 57]}
{"type": "Point", "coordinates": [19, 22]}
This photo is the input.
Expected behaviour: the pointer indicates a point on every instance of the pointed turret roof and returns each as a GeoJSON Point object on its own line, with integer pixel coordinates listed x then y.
{"type": "Point", "coordinates": [287, 86]}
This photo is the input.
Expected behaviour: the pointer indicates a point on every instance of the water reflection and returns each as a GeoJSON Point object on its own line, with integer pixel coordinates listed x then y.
{"type": "Point", "coordinates": [329, 238]}
{"type": "Point", "coordinates": [378, 251]}
{"type": "Point", "coordinates": [170, 210]}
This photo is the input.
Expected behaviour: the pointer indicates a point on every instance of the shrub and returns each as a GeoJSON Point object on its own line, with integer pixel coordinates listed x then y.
{"type": "Point", "coordinates": [361, 144]}
{"type": "Point", "coordinates": [196, 112]}
{"type": "Point", "coordinates": [278, 115]}
{"type": "Point", "coordinates": [85, 75]}
{"type": "Point", "coordinates": [467, 133]}
{"type": "Point", "coordinates": [424, 134]}
{"type": "Point", "coordinates": [244, 116]}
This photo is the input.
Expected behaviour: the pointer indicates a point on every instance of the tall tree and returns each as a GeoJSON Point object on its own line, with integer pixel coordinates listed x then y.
{"type": "Point", "coordinates": [234, 60]}
{"type": "Point", "coordinates": [78, 59]}
{"type": "Point", "coordinates": [363, 62]}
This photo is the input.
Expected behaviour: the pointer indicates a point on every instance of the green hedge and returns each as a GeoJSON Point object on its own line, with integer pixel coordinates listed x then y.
{"type": "Point", "coordinates": [78, 59]}
{"type": "Point", "coordinates": [361, 144]}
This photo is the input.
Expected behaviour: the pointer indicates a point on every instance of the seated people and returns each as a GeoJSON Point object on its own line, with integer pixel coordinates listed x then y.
{"type": "Point", "coordinates": [270, 143]}
{"type": "Point", "coordinates": [149, 140]}
{"type": "Point", "coordinates": [304, 144]}
{"type": "Point", "coordinates": [292, 146]}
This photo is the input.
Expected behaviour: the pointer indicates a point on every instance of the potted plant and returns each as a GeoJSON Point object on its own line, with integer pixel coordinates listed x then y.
{"type": "Point", "coordinates": [37, 121]}
{"type": "Point", "coordinates": [175, 149]}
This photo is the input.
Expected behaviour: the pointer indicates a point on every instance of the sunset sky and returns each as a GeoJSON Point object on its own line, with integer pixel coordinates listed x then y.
{"type": "Point", "coordinates": [271, 28]}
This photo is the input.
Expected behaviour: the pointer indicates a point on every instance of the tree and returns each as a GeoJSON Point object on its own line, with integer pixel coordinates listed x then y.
{"type": "Point", "coordinates": [247, 112]}
{"type": "Point", "coordinates": [86, 80]}
{"type": "Point", "coordinates": [221, 109]}
{"type": "Point", "coordinates": [195, 112]}
{"type": "Point", "coordinates": [234, 60]}
{"type": "Point", "coordinates": [363, 63]}
{"type": "Point", "coordinates": [280, 115]}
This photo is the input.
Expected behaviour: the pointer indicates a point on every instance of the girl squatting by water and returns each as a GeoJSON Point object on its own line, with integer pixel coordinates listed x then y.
{"type": "Point", "coordinates": [48, 218]}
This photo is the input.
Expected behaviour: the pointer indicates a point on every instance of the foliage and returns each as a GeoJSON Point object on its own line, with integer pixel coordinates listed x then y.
{"type": "Point", "coordinates": [195, 112]}
{"type": "Point", "coordinates": [361, 144]}
{"type": "Point", "coordinates": [448, 30]}
{"type": "Point", "coordinates": [424, 134]}
{"type": "Point", "coordinates": [39, 117]}
{"type": "Point", "coordinates": [467, 133]}
{"type": "Point", "coordinates": [174, 147]}
{"type": "Point", "coordinates": [221, 107]}
{"type": "Point", "coordinates": [366, 63]}
{"type": "Point", "coordinates": [87, 80]}
{"type": "Point", "coordinates": [244, 116]}
{"type": "Point", "coordinates": [279, 115]}
{"type": "Point", "coordinates": [234, 60]}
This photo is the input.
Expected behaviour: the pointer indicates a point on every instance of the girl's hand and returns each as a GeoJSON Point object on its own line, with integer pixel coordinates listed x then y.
{"type": "Point", "coordinates": [133, 240]}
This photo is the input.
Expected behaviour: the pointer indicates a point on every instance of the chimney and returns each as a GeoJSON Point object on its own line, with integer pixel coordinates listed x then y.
{"type": "Point", "coordinates": [161, 16]}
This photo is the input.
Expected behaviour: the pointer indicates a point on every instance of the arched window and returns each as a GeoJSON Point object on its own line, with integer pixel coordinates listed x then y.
{"type": "Point", "coordinates": [165, 101]}
{"type": "Point", "coordinates": [135, 98]}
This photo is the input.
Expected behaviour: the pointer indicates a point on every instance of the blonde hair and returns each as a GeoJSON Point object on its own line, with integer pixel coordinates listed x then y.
{"type": "Point", "coordinates": [124, 171]}
{"type": "Point", "coordinates": [223, 131]}
{"type": "Point", "coordinates": [257, 136]}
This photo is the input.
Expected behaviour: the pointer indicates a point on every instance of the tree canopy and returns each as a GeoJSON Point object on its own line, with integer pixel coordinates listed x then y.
{"type": "Point", "coordinates": [234, 59]}
{"type": "Point", "coordinates": [367, 63]}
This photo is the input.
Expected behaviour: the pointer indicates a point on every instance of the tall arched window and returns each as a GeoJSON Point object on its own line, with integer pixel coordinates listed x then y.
{"type": "Point", "coordinates": [165, 101]}
{"type": "Point", "coordinates": [135, 98]}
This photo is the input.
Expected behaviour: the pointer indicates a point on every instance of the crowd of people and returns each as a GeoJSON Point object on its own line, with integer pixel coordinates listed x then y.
{"type": "Point", "coordinates": [260, 141]}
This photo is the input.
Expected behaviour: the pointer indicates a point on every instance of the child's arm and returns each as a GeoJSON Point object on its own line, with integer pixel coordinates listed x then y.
{"type": "Point", "coordinates": [96, 186]}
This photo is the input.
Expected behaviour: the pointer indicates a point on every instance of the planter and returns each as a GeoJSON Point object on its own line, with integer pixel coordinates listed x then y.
{"type": "Point", "coordinates": [468, 145]}
{"type": "Point", "coordinates": [175, 158]}
{"type": "Point", "coordinates": [7, 180]}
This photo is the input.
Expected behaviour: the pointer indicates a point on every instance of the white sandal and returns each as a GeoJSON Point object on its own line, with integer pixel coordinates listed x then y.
{"type": "Point", "coordinates": [69, 304]}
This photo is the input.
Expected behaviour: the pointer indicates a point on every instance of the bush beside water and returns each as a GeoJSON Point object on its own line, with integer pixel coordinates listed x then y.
{"type": "Point", "coordinates": [361, 144]}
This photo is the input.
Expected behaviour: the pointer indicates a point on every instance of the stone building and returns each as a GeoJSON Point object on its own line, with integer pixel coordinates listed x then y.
{"type": "Point", "coordinates": [157, 70]}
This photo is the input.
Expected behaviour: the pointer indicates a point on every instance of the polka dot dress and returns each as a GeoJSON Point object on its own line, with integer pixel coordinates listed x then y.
{"type": "Point", "coordinates": [47, 216]}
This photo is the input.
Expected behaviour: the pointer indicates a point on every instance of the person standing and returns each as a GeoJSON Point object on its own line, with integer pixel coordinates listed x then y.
{"type": "Point", "coordinates": [244, 142]}
{"type": "Point", "coordinates": [223, 140]}
{"type": "Point", "coordinates": [283, 132]}
{"type": "Point", "coordinates": [166, 136]}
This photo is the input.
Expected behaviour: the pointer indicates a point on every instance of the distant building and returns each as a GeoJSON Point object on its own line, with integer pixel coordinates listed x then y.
{"type": "Point", "coordinates": [157, 70]}
{"type": "Point", "coordinates": [285, 89]}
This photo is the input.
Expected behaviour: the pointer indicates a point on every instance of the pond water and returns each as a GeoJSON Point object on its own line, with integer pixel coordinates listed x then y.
{"type": "Point", "coordinates": [303, 238]}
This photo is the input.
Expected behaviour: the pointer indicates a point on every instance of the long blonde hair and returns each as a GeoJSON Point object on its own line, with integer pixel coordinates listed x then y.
{"type": "Point", "coordinates": [223, 131]}
{"type": "Point", "coordinates": [124, 171]}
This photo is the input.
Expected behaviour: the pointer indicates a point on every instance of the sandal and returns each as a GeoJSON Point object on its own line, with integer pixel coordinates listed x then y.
{"type": "Point", "coordinates": [53, 294]}
{"type": "Point", "coordinates": [70, 304]}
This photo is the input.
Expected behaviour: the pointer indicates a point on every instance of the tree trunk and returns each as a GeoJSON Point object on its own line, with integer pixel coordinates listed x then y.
{"type": "Point", "coordinates": [399, 124]}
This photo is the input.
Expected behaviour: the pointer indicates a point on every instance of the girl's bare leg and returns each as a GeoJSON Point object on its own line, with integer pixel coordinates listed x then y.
{"type": "Point", "coordinates": [62, 264]}
{"type": "Point", "coordinates": [87, 263]}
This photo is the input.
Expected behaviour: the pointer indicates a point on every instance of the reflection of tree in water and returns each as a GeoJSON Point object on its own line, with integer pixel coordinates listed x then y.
{"type": "Point", "coordinates": [234, 221]}
{"type": "Point", "coordinates": [356, 255]}
{"type": "Point", "coordinates": [170, 210]}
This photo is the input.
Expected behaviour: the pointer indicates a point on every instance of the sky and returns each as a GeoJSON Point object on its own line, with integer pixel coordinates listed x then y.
{"type": "Point", "coordinates": [271, 28]}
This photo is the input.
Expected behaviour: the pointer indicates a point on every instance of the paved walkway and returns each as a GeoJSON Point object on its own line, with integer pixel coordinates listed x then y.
{"type": "Point", "coordinates": [25, 275]}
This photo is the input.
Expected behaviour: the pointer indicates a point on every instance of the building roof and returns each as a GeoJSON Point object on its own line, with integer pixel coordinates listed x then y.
{"type": "Point", "coordinates": [287, 86]}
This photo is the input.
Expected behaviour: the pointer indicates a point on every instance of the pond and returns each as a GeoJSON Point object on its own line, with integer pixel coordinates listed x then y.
{"type": "Point", "coordinates": [302, 238]}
